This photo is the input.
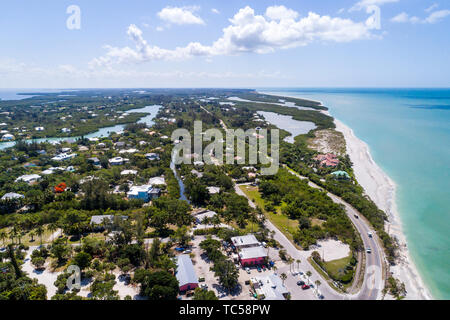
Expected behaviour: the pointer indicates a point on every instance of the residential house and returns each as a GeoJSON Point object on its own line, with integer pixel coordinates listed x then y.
{"type": "Point", "coordinates": [327, 160]}
{"type": "Point", "coordinates": [95, 161]}
{"type": "Point", "coordinates": [145, 193]}
{"type": "Point", "coordinates": [152, 156]}
{"type": "Point", "coordinates": [29, 178]}
{"type": "Point", "coordinates": [117, 161]}
{"type": "Point", "coordinates": [12, 196]}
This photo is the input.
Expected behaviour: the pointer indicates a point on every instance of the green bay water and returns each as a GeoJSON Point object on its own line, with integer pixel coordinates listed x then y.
{"type": "Point", "coordinates": [408, 133]}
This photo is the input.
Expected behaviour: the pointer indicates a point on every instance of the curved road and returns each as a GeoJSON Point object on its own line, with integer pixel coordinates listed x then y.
{"type": "Point", "coordinates": [373, 282]}
{"type": "Point", "coordinates": [373, 279]}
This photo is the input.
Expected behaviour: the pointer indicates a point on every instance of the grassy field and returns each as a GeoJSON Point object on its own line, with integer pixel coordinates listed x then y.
{"type": "Point", "coordinates": [335, 267]}
{"type": "Point", "coordinates": [282, 222]}
{"type": "Point", "coordinates": [27, 239]}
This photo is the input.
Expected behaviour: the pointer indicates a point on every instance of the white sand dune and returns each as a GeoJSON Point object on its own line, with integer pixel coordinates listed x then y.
{"type": "Point", "coordinates": [330, 249]}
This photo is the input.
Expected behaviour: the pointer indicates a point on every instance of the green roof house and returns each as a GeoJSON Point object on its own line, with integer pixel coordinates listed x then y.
{"type": "Point", "coordinates": [341, 175]}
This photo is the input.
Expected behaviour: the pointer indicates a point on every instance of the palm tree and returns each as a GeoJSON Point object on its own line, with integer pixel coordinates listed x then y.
{"type": "Point", "coordinates": [309, 274]}
{"type": "Point", "coordinates": [53, 227]}
{"type": "Point", "coordinates": [32, 234]}
{"type": "Point", "coordinates": [283, 277]}
{"type": "Point", "coordinates": [318, 283]}
{"type": "Point", "coordinates": [290, 262]}
{"type": "Point", "coordinates": [3, 237]}
{"type": "Point", "coordinates": [40, 232]}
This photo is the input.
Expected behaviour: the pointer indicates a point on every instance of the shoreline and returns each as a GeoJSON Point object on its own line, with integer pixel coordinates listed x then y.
{"type": "Point", "coordinates": [382, 191]}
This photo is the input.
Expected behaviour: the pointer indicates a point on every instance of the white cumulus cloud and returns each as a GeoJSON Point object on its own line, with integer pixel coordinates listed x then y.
{"type": "Point", "coordinates": [279, 28]}
{"type": "Point", "coordinates": [180, 15]}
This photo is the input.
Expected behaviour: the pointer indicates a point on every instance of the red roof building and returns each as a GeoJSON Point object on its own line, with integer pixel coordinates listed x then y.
{"type": "Point", "coordinates": [327, 160]}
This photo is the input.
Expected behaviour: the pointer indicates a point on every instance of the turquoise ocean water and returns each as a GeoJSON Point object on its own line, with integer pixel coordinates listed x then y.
{"type": "Point", "coordinates": [408, 133]}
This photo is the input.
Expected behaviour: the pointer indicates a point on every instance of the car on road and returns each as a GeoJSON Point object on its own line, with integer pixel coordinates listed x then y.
{"type": "Point", "coordinates": [300, 283]}
{"type": "Point", "coordinates": [368, 250]}
{"type": "Point", "coordinates": [370, 234]}
{"type": "Point", "coordinates": [356, 216]}
{"type": "Point", "coordinates": [305, 286]}
{"type": "Point", "coordinates": [247, 269]}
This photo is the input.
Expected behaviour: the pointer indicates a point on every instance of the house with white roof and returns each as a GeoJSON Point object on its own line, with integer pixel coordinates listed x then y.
{"type": "Point", "coordinates": [145, 192]}
{"type": "Point", "coordinates": [132, 150]}
{"type": "Point", "coordinates": [128, 172]}
{"type": "Point", "coordinates": [252, 256]}
{"type": "Point", "coordinates": [12, 196]}
{"type": "Point", "coordinates": [157, 181]}
{"type": "Point", "coordinates": [64, 156]}
{"type": "Point", "coordinates": [213, 190]}
{"type": "Point", "coordinates": [7, 137]}
{"type": "Point", "coordinates": [117, 161]}
{"type": "Point", "coordinates": [202, 215]}
{"type": "Point", "coordinates": [246, 241]}
{"type": "Point", "coordinates": [269, 287]}
{"type": "Point", "coordinates": [152, 156]}
{"type": "Point", "coordinates": [29, 178]}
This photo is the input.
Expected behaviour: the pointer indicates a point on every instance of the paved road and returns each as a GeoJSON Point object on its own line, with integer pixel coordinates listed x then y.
{"type": "Point", "coordinates": [373, 267]}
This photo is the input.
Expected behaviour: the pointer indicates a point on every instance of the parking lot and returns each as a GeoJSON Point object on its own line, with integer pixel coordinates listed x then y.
{"type": "Point", "coordinates": [202, 268]}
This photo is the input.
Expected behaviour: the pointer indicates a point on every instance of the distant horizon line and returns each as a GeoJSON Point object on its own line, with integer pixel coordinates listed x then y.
{"type": "Point", "coordinates": [226, 87]}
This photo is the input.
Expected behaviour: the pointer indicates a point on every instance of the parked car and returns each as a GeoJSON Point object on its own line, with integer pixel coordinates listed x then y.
{"type": "Point", "coordinates": [300, 283]}
{"type": "Point", "coordinates": [204, 286]}
{"type": "Point", "coordinates": [188, 251]}
{"type": "Point", "coordinates": [259, 268]}
{"type": "Point", "coordinates": [247, 269]}
{"type": "Point", "coordinates": [305, 286]}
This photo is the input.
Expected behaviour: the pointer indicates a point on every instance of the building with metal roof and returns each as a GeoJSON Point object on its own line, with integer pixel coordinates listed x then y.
{"type": "Point", "coordinates": [186, 276]}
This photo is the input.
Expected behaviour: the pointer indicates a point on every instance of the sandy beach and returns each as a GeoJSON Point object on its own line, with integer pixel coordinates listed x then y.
{"type": "Point", "coordinates": [381, 189]}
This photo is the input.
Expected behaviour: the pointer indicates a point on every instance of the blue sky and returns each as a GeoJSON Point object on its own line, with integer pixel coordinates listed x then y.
{"type": "Point", "coordinates": [149, 43]}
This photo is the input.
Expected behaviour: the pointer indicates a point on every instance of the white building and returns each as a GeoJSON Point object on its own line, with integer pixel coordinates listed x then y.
{"type": "Point", "coordinates": [128, 172]}
{"type": "Point", "coordinates": [269, 287]}
{"type": "Point", "coordinates": [12, 195]}
{"type": "Point", "coordinates": [8, 137]}
{"type": "Point", "coordinates": [246, 241]}
{"type": "Point", "coordinates": [29, 178]}
{"type": "Point", "coordinates": [213, 190]}
{"type": "Point", "coordinates": [64, 156]}
{"type": "Point", "coordinates": [117, 161]}
{"type": "Point", "coordinates": [157, 181]}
